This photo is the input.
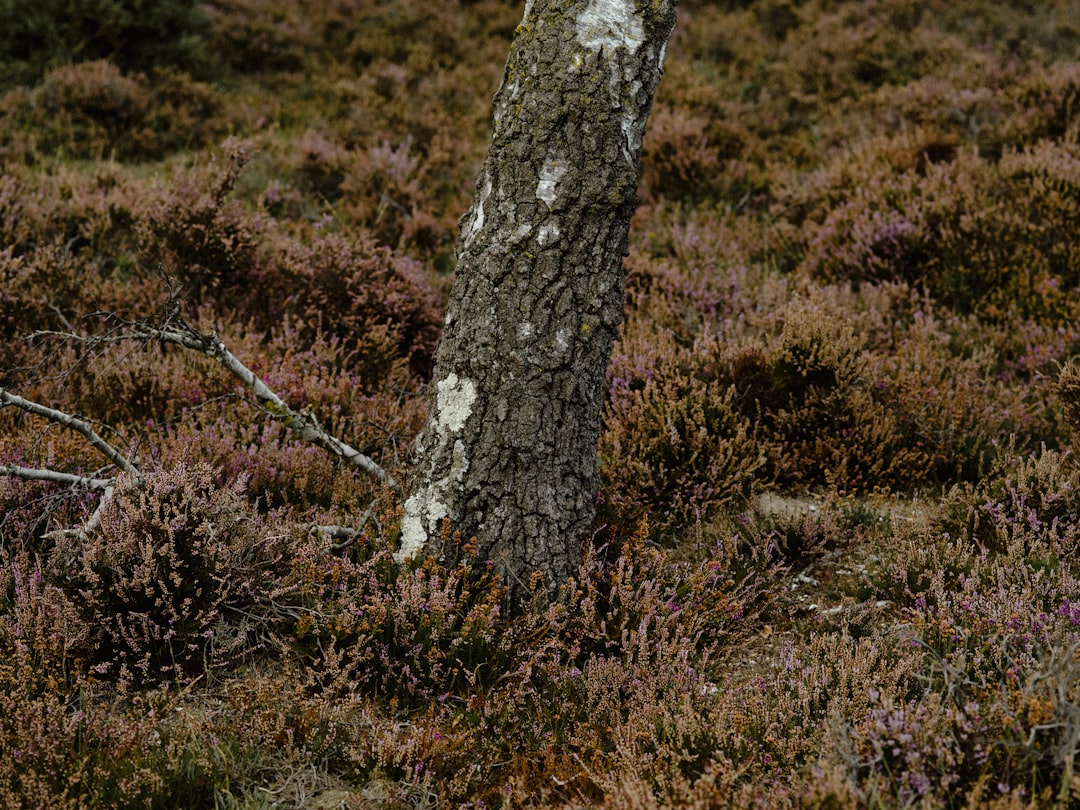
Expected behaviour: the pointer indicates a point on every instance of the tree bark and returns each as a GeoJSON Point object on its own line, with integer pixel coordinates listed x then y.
{"type": "Point", "coordinates": [508, 454]}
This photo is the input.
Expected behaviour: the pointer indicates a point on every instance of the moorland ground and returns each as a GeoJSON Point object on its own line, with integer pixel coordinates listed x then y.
{"type": "Point", "coordinates": [836, 559]}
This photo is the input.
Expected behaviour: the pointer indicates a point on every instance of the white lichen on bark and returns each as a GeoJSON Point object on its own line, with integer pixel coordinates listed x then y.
{"type": "Point", "coordinates": [455, 400]}
{"type": "Point", "coordinates": [550, 174]}
{"type": "Point", "coordinates": [607, 25]}
{"type": "Point", "coordinates": [610, 24]}
{"type": "Point", "coordinates": [548, 234]}
{"type": "Point", "coordinates": [413, 536]}
{"type": "Point", "coordinates": [425, 510]}
{"type": "Point", "coordinates": [477, 221]}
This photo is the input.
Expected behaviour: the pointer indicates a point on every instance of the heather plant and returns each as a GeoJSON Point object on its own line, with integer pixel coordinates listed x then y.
{"type": "Point", "coordinates": [864, 389]}
{"type": "Point", "coordinates": [675, 446]}
{"type": "Point", "coordinates": [21, 278]}
{"type": "Point", "coordinates": [158, 577]}
{"type": "Point", "coordinates": [925, 227]}
{"type": "Point", "coordinates": [988, 588]}
{"type": "Point", "coordinates": [817, 412]}
{"type": "Point", "coordinates": [527, 693]}
{"type": "Point", "coordinates": [83, 213]}
{"type": "Point", "coordinates": [254, 35]}
{"type": "Point", "coordinates": [365, 294]}
{"type": "Point", "coordinates": [686, 158]}
{"type": "Point", "coordinates": [1021, 497]}
{"type": "Point", "coordinates": [133, 35]}
{"type": "Point", "coordinates": [331, 282]}
{"type": "Point", "coordinates": [93, 110]}
{"type": "Point", "coordinates": [836, 563]}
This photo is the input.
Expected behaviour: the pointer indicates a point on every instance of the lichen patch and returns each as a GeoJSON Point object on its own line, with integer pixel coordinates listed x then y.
{"type": "Point", "coordinates": [610, 24]}
{"type": "Point", "coordinates": [548, 234]}
{"type": "Point", "coordinates": [478, 216]}
{"type": "Point", "coordinates": [454, 400]}
{"type": "Point", "coordinates": [550, 174]}
{"type": "Point", "coordinates": [413, 536]}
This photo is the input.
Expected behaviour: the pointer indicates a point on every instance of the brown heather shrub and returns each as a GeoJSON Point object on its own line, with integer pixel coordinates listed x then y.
{"type": "Point", "coordinates": [364, 394]}
{"type": "Point", "coordinates": [406, 195]}
{"type": "Point", "coordinates": [93, 110]}
{"type": "Point", "coordinates": [865, 389]}
{"type": "Point", "coordinates": [23, 279]}
{"type": "Point", "coordinates": [29, 509]}
{"type": "Point", "coordinates": [331, 283]}
{"type": "Point", "coordinates": [159, 575]}
{"type": "Point", "coordinates": [363, 293]}
{"type": "Point", "coordinates": [782, 721]}
{"type": "Point", "coordinates": [674, 446]}
{"type": "Point", "coordinates": [1068, 388]}
{"type": "Point", "coordinates": [196, 230]}
{"type": "Point", "coordinates": [989, 592]}
{"type": "Point", "coordinates": [557, 692]}
{"type": "Point", "coordinates": [384, 191]}
{"type": "Point", "coordinates": [680, 160]}
{"type": "Point", "coordinates": [811, 395]}
{"type": "Point", "coordinates": [1044, 107]}
{"type": "Point", "coordinates": [42, 632]}
{"type": "Point", "coordinates": [59, 754]}
{"type": "Point", "coordinates": [1034, 496]}
{"type": "Point", "coordinates": [261, 35]}
{"type": "Point", "coordinates": [87, 214]}
{"type": "Point", "coordinates": [257, 35]}
{"type": "Point", "coordinates": [929, 228]}
{"type": "Point", "coordinates": [848, 49]}
{"type": "Point", "coordinates": [66, 744]}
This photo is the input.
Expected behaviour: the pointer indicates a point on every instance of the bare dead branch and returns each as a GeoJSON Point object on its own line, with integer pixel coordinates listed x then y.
{"type": "Point", "coordinates": [91, 523]}
{"type": "Point", "coordinates": [176, 330]}
{"type": "Point", "coordinates": [303, 424]}
{"type": "Point", "coordinates": [75, 424]}
{"type": "Point", "coordinates": [335, 531]}
{"type": "Point", "coordinates": [56, 477]}
{"type": "Point", "coordinates": [346, 534]}
{"type": "Point", "coordinates": [91, 483]}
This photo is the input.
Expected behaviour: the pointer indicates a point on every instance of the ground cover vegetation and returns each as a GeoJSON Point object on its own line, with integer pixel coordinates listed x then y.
{"type": "Point", "coordinates": [837, 558]}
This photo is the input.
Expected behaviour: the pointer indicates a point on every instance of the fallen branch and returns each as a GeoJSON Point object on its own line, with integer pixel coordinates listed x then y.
{"type": "Point", "coordinates": [91, 523]}
{"type": "Point", "coordinates": [75, 424]}
{"type": "Point", "coordinates": [87, 482]}
{"type": "Point", "coordinates": [346, 534]}
{"type": "Point", "coordinates": [56, 477]}
{"type": "Point", "coordinates": [304, 425]}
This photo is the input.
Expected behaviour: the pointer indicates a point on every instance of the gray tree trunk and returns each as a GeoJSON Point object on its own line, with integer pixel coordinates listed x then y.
{"type": "Point", "coordinates": [508, 454]}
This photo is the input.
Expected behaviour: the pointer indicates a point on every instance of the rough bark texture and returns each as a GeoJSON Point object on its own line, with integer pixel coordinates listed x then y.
{"type": "Point", "coordinates": [509, 450]}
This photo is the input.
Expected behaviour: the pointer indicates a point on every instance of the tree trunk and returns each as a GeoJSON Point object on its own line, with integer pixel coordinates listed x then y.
{"type": "Point", "coordinates": [508, 454]}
